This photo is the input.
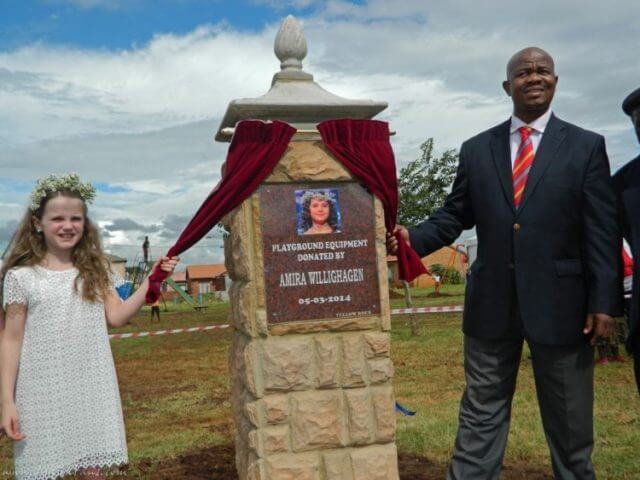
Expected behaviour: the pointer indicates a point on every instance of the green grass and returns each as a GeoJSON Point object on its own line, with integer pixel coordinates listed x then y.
{"type": "Point", "coordinates": [422, 297]}
{"type": "Point", "coordinates": [177, 316]}
{"type": "Point", "coordinates": [429, 378]}
{"type": "Point", "coordinates": [175, 394]}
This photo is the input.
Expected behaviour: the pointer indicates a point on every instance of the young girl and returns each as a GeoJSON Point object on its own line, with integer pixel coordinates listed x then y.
{"type": "Point", "coordinates": [319, 213]}
{"type": "Point", "coordinates": [60, 399]}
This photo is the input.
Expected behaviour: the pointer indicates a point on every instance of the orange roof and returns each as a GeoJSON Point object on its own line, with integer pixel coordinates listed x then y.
{"type": "Point", "coordinates": [195, 272]}
{"type": "Point", "coordinates": [393, 258]}
{"type": "Point", "coordinates": [179, 277]}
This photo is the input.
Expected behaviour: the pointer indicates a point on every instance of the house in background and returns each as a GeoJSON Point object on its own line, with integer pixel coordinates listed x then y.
{"type": "Point", "coordinates": [446, 256]}
{"type": "Point", "coordinates": [207, 279]}
{"type": "Point", "coordinates": [167, 290]}
{"type": "Point", "coordinates": [118, 264]}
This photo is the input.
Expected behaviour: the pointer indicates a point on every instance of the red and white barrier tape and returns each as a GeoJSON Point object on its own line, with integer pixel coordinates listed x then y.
{"type": "Point", "coordinates": [158, 333]}
{"type": "Point", "coordinates": [395, 311]}
{"type": "Point", "coordinates": [445, 309]}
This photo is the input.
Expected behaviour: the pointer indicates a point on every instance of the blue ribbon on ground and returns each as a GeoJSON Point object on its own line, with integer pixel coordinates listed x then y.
{"type": "Point", "coordinates": [403, 410]}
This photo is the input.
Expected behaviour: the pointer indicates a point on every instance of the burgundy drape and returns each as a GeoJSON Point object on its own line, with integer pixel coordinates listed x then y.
{"type": "Point", "coordinates": [255, 150]}
{"type": "Point", "coordinates": [363, 147]}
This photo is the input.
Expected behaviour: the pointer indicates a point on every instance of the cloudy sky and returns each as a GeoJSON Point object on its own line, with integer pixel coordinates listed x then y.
{"type": "Point", "coordinates": [129, 93]}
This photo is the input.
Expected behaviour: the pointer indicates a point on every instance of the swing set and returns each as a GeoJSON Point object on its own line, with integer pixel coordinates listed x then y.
{"type": "Point", "coordinates": [136, 276]}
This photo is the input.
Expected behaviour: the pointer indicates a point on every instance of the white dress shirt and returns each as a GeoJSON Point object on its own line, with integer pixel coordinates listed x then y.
{"type": "Point", "coordinates": [538, 126]}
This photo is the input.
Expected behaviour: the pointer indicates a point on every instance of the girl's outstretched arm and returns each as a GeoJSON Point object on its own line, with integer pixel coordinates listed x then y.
{"type": "Point", "coordinates": [10, 346]}
{"type": "Point", "coordinates": [119, 312]}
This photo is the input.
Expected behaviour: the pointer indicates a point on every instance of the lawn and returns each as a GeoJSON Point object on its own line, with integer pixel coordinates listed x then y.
{"type": "Point", "coordinates": [175, 394]}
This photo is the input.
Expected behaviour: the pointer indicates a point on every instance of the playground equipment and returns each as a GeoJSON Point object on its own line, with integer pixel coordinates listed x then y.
{"type": "Point", "coordinates": [141, 269]}
{"type": "Point", "coordinates": [472, 249]}
{"type": "Point", "coordinates": [134, 277]}
{"type": "Point", "coordinates": [456, 250]}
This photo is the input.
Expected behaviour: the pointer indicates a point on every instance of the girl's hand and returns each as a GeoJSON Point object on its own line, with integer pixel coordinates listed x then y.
{"type": "Point", "coordinates": [10, 422]}
{"type": "Point", "coordinates": [167, 264]}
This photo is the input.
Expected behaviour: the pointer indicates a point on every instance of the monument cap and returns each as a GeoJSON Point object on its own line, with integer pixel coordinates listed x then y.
{"type": "Point", "coordinates": [631, 102]}
{"type": "Point", "coordinates": [294, 96]}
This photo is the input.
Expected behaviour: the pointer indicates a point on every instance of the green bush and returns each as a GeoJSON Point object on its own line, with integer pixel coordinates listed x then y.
{"type": "Point", "coordinates": [452, 276]}
{"type": "Point", "coordinates": [437, 269]}
{"type": "Point", "coordinates": [448, 275]}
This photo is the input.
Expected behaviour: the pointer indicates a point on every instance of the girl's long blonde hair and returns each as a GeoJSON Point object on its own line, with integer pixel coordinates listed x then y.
{"type": "Point", "coordinates": [28, 248]}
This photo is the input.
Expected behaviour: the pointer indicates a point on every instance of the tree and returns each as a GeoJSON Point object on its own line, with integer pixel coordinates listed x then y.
{"type": "Point", "coordinates": [424, 184]}
{"type": "Point", "coordinates": [449, 275]}
{"type": "Point", "coordinates": [422, 187]}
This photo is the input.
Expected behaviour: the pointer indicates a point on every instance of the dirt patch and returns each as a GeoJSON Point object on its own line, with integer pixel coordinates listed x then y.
{"type": "Point", "coordinates": [521, 472]}
{"type": "Point", "coordinates": [213, 463]}
{"type": "Point", "coordinates": [395, 294]}
{"type": "Point", "coordinates": [415, 467]}
{"type": "Point", "coordinates": [218, 463]}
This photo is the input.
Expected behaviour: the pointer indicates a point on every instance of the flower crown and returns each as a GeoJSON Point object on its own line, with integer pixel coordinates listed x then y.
{"type": "Point", "coordinates": [55, 183]}
{"type": "Point", "coordinates": [321, 194]}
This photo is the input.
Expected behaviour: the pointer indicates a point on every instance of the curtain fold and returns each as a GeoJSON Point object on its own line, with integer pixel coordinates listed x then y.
{"type": "Point", "coordinates": [363, 147]}
{"type": "Point", "coordinates": [255, 150]}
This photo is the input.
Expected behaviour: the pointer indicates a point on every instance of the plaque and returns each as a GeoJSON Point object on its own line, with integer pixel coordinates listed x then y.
{"type": "Point", "coordinates": [319, 251]}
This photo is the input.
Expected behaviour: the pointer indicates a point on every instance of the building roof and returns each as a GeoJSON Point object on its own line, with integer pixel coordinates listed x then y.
{"type": "Point", "coordinates": [445, 249]}
{"type": "Point", "coordinates": [179, 277]}
{"type": "Point", "coordinates": [111, 258]}
{"type": "Point", "coordinates": [195, 272]}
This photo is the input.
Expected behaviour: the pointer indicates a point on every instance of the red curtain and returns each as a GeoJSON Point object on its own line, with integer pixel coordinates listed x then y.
{"type": "Point", "coordinates": [363, 147]}
{"type": "Point", "coordinates": [255, 150]}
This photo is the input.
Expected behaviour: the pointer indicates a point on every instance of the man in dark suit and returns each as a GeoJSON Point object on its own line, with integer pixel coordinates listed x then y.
{"type": "Point", "coordinates": [538, 190]}
{"type": "Point", "coordinates": [627, 185]}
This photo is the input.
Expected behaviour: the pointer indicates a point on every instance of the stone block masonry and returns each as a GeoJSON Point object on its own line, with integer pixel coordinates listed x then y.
{"type": "Point", "coordinates": [313, 399]}
{"type": "Point", "coordinates": [322, 409]}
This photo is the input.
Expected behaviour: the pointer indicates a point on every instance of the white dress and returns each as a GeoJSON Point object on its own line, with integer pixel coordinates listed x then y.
{"type": "Point", "coordinates": [66, 390]}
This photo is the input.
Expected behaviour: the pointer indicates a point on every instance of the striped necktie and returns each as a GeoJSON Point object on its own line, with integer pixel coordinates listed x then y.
{"type": "Point", "coordinates": [522, 165]}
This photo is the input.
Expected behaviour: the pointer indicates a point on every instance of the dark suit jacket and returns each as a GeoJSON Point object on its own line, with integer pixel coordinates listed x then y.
{"type": "Point", "coordinates": [627, 185]}
{"type": "Point", "coordinates": [558, 253]}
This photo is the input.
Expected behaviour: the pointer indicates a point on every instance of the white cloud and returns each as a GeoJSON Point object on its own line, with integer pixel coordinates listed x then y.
{"type": "Point", "coordinates": [286, 4]}
{"type": "Point", "coordinates": [89, 4]}
{"type": "Point", "coordinates": [144, 118]}
{"type": "Point", "coordinates": [466, 47]}
{"type": "Point", "coordinates": [49, 91]}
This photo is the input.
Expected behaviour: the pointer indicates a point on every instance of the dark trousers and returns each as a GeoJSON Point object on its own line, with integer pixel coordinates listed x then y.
{"type": "Point", "coordinates": [636, 368]}
{"type": "Point", "coordinates": [635, 349]}
{"type": "Point", "coordinates": [634, 344]}
{"type": "Point", "coordinates": [564, 386]}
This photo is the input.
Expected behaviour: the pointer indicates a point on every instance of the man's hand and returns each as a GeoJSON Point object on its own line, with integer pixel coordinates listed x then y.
{"type": "Point", "coordinates": [392, 241]}
{"type": "Point", "coordinates": [601, 324]}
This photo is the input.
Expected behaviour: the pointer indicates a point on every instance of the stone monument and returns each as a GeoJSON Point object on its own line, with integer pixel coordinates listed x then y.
{"type": "Point", "coordinates": [311, 375]}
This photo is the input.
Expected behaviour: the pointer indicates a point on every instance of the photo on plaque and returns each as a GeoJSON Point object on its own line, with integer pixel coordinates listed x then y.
{"type": "Point", "coordinates": [318, 211]}
{"type": "Point", "coordinates": [310, 274]}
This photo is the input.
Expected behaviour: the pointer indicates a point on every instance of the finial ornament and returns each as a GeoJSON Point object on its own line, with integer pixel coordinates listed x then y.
{"type": "Point", "coordinates": [294, 97]}
{"type": "Point", "coordinates": [290, 45]}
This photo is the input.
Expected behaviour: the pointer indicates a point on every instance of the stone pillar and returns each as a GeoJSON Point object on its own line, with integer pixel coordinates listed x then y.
{"type": "Point", "coordinates": [312, 398]}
